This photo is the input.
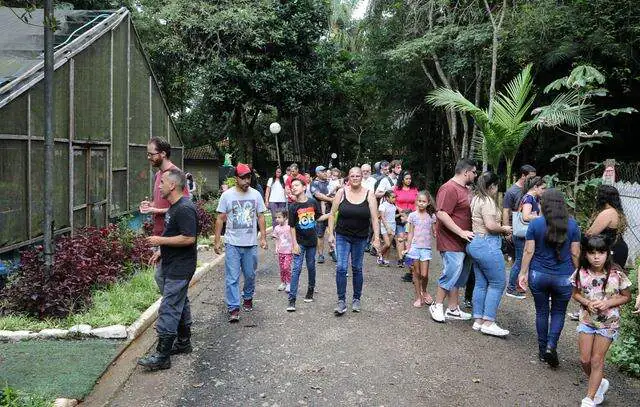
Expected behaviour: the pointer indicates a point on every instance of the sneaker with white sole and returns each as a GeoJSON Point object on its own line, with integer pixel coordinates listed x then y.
{"type": "Point", "coordinates": [355, 305]}
{"type": "Point", "coordinates": [282, 286]}
{"type": "Point", "coordinates": [292, 306]}
{"type": "Point", "coordinates": [476, 326]}
{"type": "Point", "coordinates": [587, 402]}
{"type": "Point", "coordinates": [341, 308]}
{"type": "Point", "coordinates": [494, 330]}
{"type": "Point", "coordinates": [457, 314]}
{"type": "Point", "coordinates": [602, 389]}
{"type": "Point", "coordinates": [287, 288]}
{"type": "Point", "coordinates": [437, 312]}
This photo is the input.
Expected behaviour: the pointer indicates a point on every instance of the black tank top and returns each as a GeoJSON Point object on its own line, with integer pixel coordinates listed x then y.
{"type": "Point", "coordinates": [354, 219]}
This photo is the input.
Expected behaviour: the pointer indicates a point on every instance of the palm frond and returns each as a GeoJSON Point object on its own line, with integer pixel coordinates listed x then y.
{"type": "Point", "coordinates": [453, 100]}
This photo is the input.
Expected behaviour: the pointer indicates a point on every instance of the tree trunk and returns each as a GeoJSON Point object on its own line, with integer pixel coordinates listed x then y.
{"type": "Point", "coordinates": [494, 67]}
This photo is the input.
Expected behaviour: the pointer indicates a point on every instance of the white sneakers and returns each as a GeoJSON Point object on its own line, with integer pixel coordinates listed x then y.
{"type": "Point", "coordinates": [587, 402]}
{"type": "Point", "coordinates": [439, 315]}
{"type": "Point", "coordinates": [476, 326]}
{"type": "Point", "coordinates": [457, 314]}
{"type": "Point", "coordinates": [602, 389]}
{"type": "Point", "coordinates": [437, 312]}
{"type": "Point", "coordinates": [494, 330]}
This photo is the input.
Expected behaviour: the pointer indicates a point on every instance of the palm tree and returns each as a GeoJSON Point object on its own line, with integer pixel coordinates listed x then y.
{"type": "Point", "coordinates": [506, 129]}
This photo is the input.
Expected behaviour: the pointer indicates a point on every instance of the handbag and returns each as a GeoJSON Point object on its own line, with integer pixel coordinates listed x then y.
{"type": "Point", "coordinates": [519, 226]}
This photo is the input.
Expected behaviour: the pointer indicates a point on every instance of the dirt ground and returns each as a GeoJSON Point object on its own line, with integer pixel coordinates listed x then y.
{"type": "Point", "coordinates": [390, 354]}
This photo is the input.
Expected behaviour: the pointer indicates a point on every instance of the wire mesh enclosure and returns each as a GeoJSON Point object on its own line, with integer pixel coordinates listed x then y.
{"type": "Point", "coordinates": [107, 106]}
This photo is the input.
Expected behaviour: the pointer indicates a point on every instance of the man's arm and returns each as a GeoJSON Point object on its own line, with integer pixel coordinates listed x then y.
{"type": "Point", "coordinates": [175, 241]}
{"type": "Point", "coordinates": [506, 216]}
{"type": "Point", "coordinates": [220, 220]}
{"type": "Point", "coordinates": [262, 225]}
{"type": "Point", "coordinates": [446, 220]}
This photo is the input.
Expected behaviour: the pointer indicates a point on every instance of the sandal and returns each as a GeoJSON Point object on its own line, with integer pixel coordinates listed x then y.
{"type": "Point", "coordinates": [417, 303]}
{"type": "Point", "coordinates": [427, 300]}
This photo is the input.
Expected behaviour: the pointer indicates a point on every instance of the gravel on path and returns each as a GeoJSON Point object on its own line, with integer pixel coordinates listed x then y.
{"type": "Point", "coordinates": [390, 354]}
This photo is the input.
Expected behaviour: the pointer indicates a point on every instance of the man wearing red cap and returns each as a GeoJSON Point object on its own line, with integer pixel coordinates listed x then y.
{"type": "Point", "coordinates": [243, 209]}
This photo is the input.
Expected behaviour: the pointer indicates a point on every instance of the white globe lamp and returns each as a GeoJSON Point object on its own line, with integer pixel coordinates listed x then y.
{"type": "Point", "coordinates": [275, 128]}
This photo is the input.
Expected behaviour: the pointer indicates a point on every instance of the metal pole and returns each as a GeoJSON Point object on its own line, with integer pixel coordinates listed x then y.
{"type": "Point", "coordinates": [278, 150]}
{"type": "Point", "coordinates": [49, 23]}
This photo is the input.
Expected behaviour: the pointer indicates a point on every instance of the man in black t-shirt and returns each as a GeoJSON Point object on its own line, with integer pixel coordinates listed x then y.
{"type": "Point", "coordinates": [178, 255]}
{"type": "Point", "coordinates": [303, 214]}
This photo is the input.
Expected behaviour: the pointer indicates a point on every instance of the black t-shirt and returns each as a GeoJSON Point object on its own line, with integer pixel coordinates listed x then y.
{"type": "Point", "coordinates": [302, 216]}
{"type": "Point", "coordinates": [179, 263]}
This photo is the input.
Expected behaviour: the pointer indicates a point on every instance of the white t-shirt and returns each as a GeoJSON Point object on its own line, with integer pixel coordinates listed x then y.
{"type": "Point", "coordinates": [277, 191]}
{"type": "Point", "coordinates": [388, 213]}
{"type": "Point", "coordinates": [386, 185]}
{"type": "Point", "coordinates": [369, 183]}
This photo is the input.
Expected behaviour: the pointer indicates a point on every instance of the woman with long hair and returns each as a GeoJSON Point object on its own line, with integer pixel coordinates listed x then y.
{"type": "Point", "coordinates": [610, 221]}
{"type": "Point", "coordinates": [406, 193]}
{"type": "Point", "coordinates": [551, 254]}
{"type": "Point", "coordinates": [529, 207]}
{"type": "Point", "coordinates": [274, 197]}
{"type": "Point", "coordinates": [485, 250]}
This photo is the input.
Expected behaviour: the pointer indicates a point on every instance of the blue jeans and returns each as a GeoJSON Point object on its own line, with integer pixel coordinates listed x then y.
{"type": "Point", "coordinates": [518, 245]}
{"type": "Point", "coordinates": [488, 268]}
{"type": "Point", "coordinates": [239, 259]}
{"type": "Point", "coordinates": [349, 246]}
{"type": "Point", "coordinates": [307, 253]}
{"type": "Point", "coordinates": [559, 288]}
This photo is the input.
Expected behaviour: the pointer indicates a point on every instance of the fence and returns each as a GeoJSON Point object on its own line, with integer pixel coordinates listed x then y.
{"type": "Point", "coordinates": [629, 188]}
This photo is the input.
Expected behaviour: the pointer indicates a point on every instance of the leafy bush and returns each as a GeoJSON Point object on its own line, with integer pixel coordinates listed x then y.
{"type": "Point", "coordinates": [206, 217]}
{"type": "Point", "coordinates": [89, 259]}
{"type": "Point", "coordinates": [625, 352]}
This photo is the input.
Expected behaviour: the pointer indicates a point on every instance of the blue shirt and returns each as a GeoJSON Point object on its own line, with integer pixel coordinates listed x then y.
{"type": "Point", "coordinates": [533, 201]}
{"type": "Point", "coordinates": [544, 258]}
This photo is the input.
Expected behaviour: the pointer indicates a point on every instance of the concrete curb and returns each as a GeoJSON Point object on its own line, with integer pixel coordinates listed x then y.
{"type": "Point", "coordinates": [150, 314]}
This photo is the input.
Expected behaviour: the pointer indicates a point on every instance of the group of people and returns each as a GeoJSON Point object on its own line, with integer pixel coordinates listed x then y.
{"type": "Point", "coordinates": [552, 257]}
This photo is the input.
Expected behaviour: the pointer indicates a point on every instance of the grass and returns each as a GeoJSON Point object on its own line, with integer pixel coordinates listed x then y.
{"type": "Point", "coordinates": [121, 303]}
{"type": "Point", "coordinates": [53, 369]}
{"type": "Point", "coordinates": [14, 398]}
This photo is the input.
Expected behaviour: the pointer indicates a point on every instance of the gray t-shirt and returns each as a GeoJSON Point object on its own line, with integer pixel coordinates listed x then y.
{"type": "Point", "coordinates": [512, 198]}
{"type": "Point", "coordinates": [242, 209]}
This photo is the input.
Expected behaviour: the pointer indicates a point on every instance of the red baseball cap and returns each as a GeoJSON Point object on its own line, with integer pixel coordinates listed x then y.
{"type": "Point", "coordinates": [242, 170]}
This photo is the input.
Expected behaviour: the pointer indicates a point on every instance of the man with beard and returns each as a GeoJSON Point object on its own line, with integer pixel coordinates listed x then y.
{"type": "Point", "coordinates": [178, 255]}
{"type": "Point", "coordinates": [453, 229]}
{"type": "Point", "coordinates": [243, 209]}
{"type": "Point", "coordinates": [158, 153]}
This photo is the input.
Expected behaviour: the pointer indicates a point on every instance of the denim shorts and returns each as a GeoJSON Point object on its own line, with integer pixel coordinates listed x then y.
{"type": "Point", "coordinates": [420, 254]}
{"type": "Point", "coordinates": [455, 270]}
{"type": "Point", "coordinates": [400, 229]}
{"type": "Point", "coordinates": [605, 332]}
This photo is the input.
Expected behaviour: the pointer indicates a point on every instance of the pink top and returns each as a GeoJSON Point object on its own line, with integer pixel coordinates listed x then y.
{"type": "Point", "coordinates": [406, 198]}
{"type": "Point", "coordinates": [421, 229]}
{"type": "Point", "coordinates": [282, 234]}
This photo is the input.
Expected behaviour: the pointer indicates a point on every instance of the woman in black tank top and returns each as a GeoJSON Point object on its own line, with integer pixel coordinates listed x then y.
{"type": "Point", "coordinates": [357, 209]}
{"type": "Point", "coordinates": [610, 221]}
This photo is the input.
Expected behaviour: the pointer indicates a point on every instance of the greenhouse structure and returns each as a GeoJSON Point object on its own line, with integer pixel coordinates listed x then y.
{"type": "Point", "coordinates": [107, 106]}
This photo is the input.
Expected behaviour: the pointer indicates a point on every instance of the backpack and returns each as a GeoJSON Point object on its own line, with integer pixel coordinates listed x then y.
{"type": "Point", "coordinates": [375, 187]}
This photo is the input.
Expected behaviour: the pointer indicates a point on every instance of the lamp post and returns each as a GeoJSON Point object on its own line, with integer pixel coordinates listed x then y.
{"type": "Point", "coordinates": [275, 128]}
{"type": "Point", "coordinates": [333, 157]}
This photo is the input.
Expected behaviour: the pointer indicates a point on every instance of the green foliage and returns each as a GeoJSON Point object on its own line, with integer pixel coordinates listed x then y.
{"type": "Point", "coordinates": [120, 303]}
{"type": "Point", "coordinates": [625, 352]}
{"type": "Point", "coordinates": [507, 129]}
{"type": "Point", "coordinates": [10, 397]}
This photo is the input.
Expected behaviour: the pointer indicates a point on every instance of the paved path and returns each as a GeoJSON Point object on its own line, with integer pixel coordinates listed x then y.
{"type": "Point", "coordinates": [391, 354]}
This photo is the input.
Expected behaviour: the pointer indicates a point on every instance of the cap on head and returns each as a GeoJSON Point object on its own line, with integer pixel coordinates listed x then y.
{"type": "Point", "coordinates": [320, 168]}
{"type": "Point", "coordinates": [242, 170]}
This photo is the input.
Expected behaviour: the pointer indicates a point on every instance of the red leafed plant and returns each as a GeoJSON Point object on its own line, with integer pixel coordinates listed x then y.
{"type": "Point", "coordinates": [90, 258]}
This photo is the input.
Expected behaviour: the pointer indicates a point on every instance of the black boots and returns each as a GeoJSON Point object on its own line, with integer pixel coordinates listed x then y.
{"type": "Point", "coordinates": [161, 359]}
{"type": "Point", "coordinates": [183, 341]}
